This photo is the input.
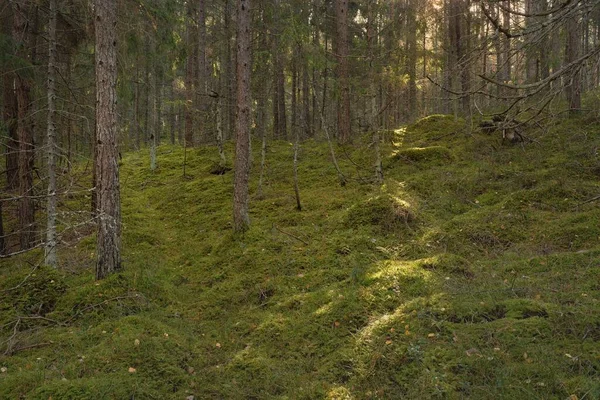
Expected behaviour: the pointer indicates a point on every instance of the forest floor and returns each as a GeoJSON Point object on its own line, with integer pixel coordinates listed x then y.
{"type": "Point", "coordinates": [473, 272]}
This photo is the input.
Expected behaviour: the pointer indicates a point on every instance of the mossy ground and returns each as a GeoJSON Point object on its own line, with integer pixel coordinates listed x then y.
{"type": "Point", "coordinates": [471, 273]}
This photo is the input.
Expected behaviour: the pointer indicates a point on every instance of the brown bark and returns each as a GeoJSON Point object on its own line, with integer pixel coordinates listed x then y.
{"type": "Point", "coordinates": [411, 44]}
{"type": "Point", "coordinates": [2, 242]}
{"type": "Point", "coordinates": [279, 109]}
{"type": "Point", "coordinates": [9, 114]}
{"type": "Point", "coordinates": [201, 73]}
{"type": "Point", "coordinates": [23, 83]}
{"type": "Point", "coordinates": [241, 219]}
{"type": "Point", "coordinates": [107, 169]}
{"type": "Point", "coordinates": [572, 53]}
{"type": "Point", "coordinates": [189, 79]}
{"type": "Point", "coordinates": [343, 72]}
{"type": "Point", "coordinates": [12, 143]}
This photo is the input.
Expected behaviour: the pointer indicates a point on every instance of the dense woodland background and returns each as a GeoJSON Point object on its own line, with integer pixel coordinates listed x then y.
{"type": "Point", "coordinates": [319, 68]}
{"type": "Point", "coordinates": [219, 97]}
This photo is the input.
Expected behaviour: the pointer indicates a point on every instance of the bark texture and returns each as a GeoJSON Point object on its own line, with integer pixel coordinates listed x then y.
{"type": "Point", "coordinates": [241, 219]}
{"type": "Point", "coordinates": [107, 168]}
{"type": "Point", "coordinates": [51, 239]}
{"type": "Point", "coordinates": [343, 70]}
{"type": "Point", "coordinates": [23, 83]}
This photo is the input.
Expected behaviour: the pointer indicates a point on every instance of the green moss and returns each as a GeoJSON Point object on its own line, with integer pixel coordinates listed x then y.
{"type": "Point", "coordinates": [437, 155]}
{"type": "Point", "coordinates": [470, 273]}
{"type": "Point", "coordinates": [384, 211]}
{"type": "Point", "coordinates": [34, 292]}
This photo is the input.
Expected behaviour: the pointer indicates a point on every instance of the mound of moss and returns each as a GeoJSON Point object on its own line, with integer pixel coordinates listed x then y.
{"type": "Point", "coordinates": [436, 155]}
{"type": "Point", "coordinates": [434, 128]}
{"type": "Point", "coordinates": [384, 211]}
{"type": "Point", "coordinates": [32, 292]}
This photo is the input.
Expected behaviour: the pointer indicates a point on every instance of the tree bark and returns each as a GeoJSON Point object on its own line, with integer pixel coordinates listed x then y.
{"type": "Point", "coordinates": [2, 241]}
{"type": "Point", "coordinates": [189, 78]}
{"type": "Point", "coordinates": [343, 72]}
{"type": "Point", "coordinates": [411, 49]}
{"type": "Point", "coordinates": [9, 114]}
{"type": "Point", "coordinates": [23, 83]}
{"type": "Point", "coordinates": [107, 169]}
{"type": "Point", "coordinates": [572, 52]}
{"type": "Point", "coordinates": [51, 238]}
{"type": "Point", "coordinates": [241, 219]}
{"type": "Point", "coordinates": [201, 73]}
{"type": "Point", "coordinates": [371, 43]}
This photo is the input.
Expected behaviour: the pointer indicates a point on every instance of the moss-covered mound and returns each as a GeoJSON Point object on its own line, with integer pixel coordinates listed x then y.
{"type": "Point", "coordinates": [385, 211]}
{"type": "Point", "coordinates": [433, 155]}
{"type": "Point", "coordinates": [472, 272]}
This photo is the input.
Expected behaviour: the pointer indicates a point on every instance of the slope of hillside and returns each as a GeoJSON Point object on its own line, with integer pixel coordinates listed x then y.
{"type": "Point", "coordinates": [473, 272]}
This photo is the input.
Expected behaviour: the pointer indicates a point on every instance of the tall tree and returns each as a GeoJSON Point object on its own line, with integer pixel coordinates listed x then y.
{"type": "Point", "coordinates": [51, 145]}
{"type": "Point", "coordinates": [343, 70]}
{"type": "Point", "coordinates": [189, 75]}
{"type": "Point", "coordinates": [572, 50]}
{"type": "Point", "coordinates": [107, 168]}
{"type": "Point", "coordinates": [9, 114]}
{"type": "Point", "coordinates": [23, 36]}
{"type": "Point", "coordinates": [241, 219]}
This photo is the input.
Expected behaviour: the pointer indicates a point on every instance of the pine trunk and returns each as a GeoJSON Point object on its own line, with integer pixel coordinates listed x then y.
{"type": "Point", "coordinates": [107, 169]}
{"type": "Point", "coordinates": [26, 209]}
{"type": "Point", "coordinates": [51, 145]}
{"type": "Point", "coordinates": [343, 71]}
{"type": "Point", "coordinates": [241, 219]}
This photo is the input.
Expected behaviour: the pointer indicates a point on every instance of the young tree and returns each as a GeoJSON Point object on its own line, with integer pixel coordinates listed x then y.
{"type": "Point", "coordinates": [107, 168]}
{"type": "Point", "coordinates": [241, 220]}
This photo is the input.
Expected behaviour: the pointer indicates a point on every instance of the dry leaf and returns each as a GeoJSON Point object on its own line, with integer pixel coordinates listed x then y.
{"type": "Point", "coordinates": [336, 324]}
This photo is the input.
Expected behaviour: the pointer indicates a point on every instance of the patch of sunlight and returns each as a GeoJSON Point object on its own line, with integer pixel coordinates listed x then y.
{"type": "Point", "coordinates": [339, 393]}
{"type": "Point", "coordinates": [378, 324]}
{"type": "Point", "coordinates": [399, 135]}
{"type": "Point", "coordinates": [324, 309]}
{"type": "Point", "coordinates": [392, 267]}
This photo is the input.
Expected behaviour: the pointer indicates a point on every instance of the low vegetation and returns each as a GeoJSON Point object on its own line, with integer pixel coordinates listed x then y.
{"type": "Point", "coordinates": [471, 273]}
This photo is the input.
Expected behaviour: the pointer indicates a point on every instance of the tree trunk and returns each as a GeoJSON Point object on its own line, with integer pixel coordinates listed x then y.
{"type": "Point", "coordinates": [241, 219]}
{"type": "Point", "coordinates": [136, 106]}
{"type": "Point", "coordinates": [343, 72]}
{"type": "Point", "coordinates": [10, 115]}
{"type": "Point", "coordinates": [371, 43]}
{"type": "Point", "coordinates": [107, 185]}
{"type": "Point", "coordinates": [201, 72]}
{"type": "Point", "coordinates": [2, 241]}
{"type": "Point", "coordinates": [411, 49]}
{"type": "Point", "coordinates": [294, 105]}
{"type": "Point", "coordinates": [573, 44]}
{"type": "Point", "coordinates": [26, 210]}
{"type": "Point", "coordinates": [189, 78]}
{"type": "Point", "coordinates": [51, 238]}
